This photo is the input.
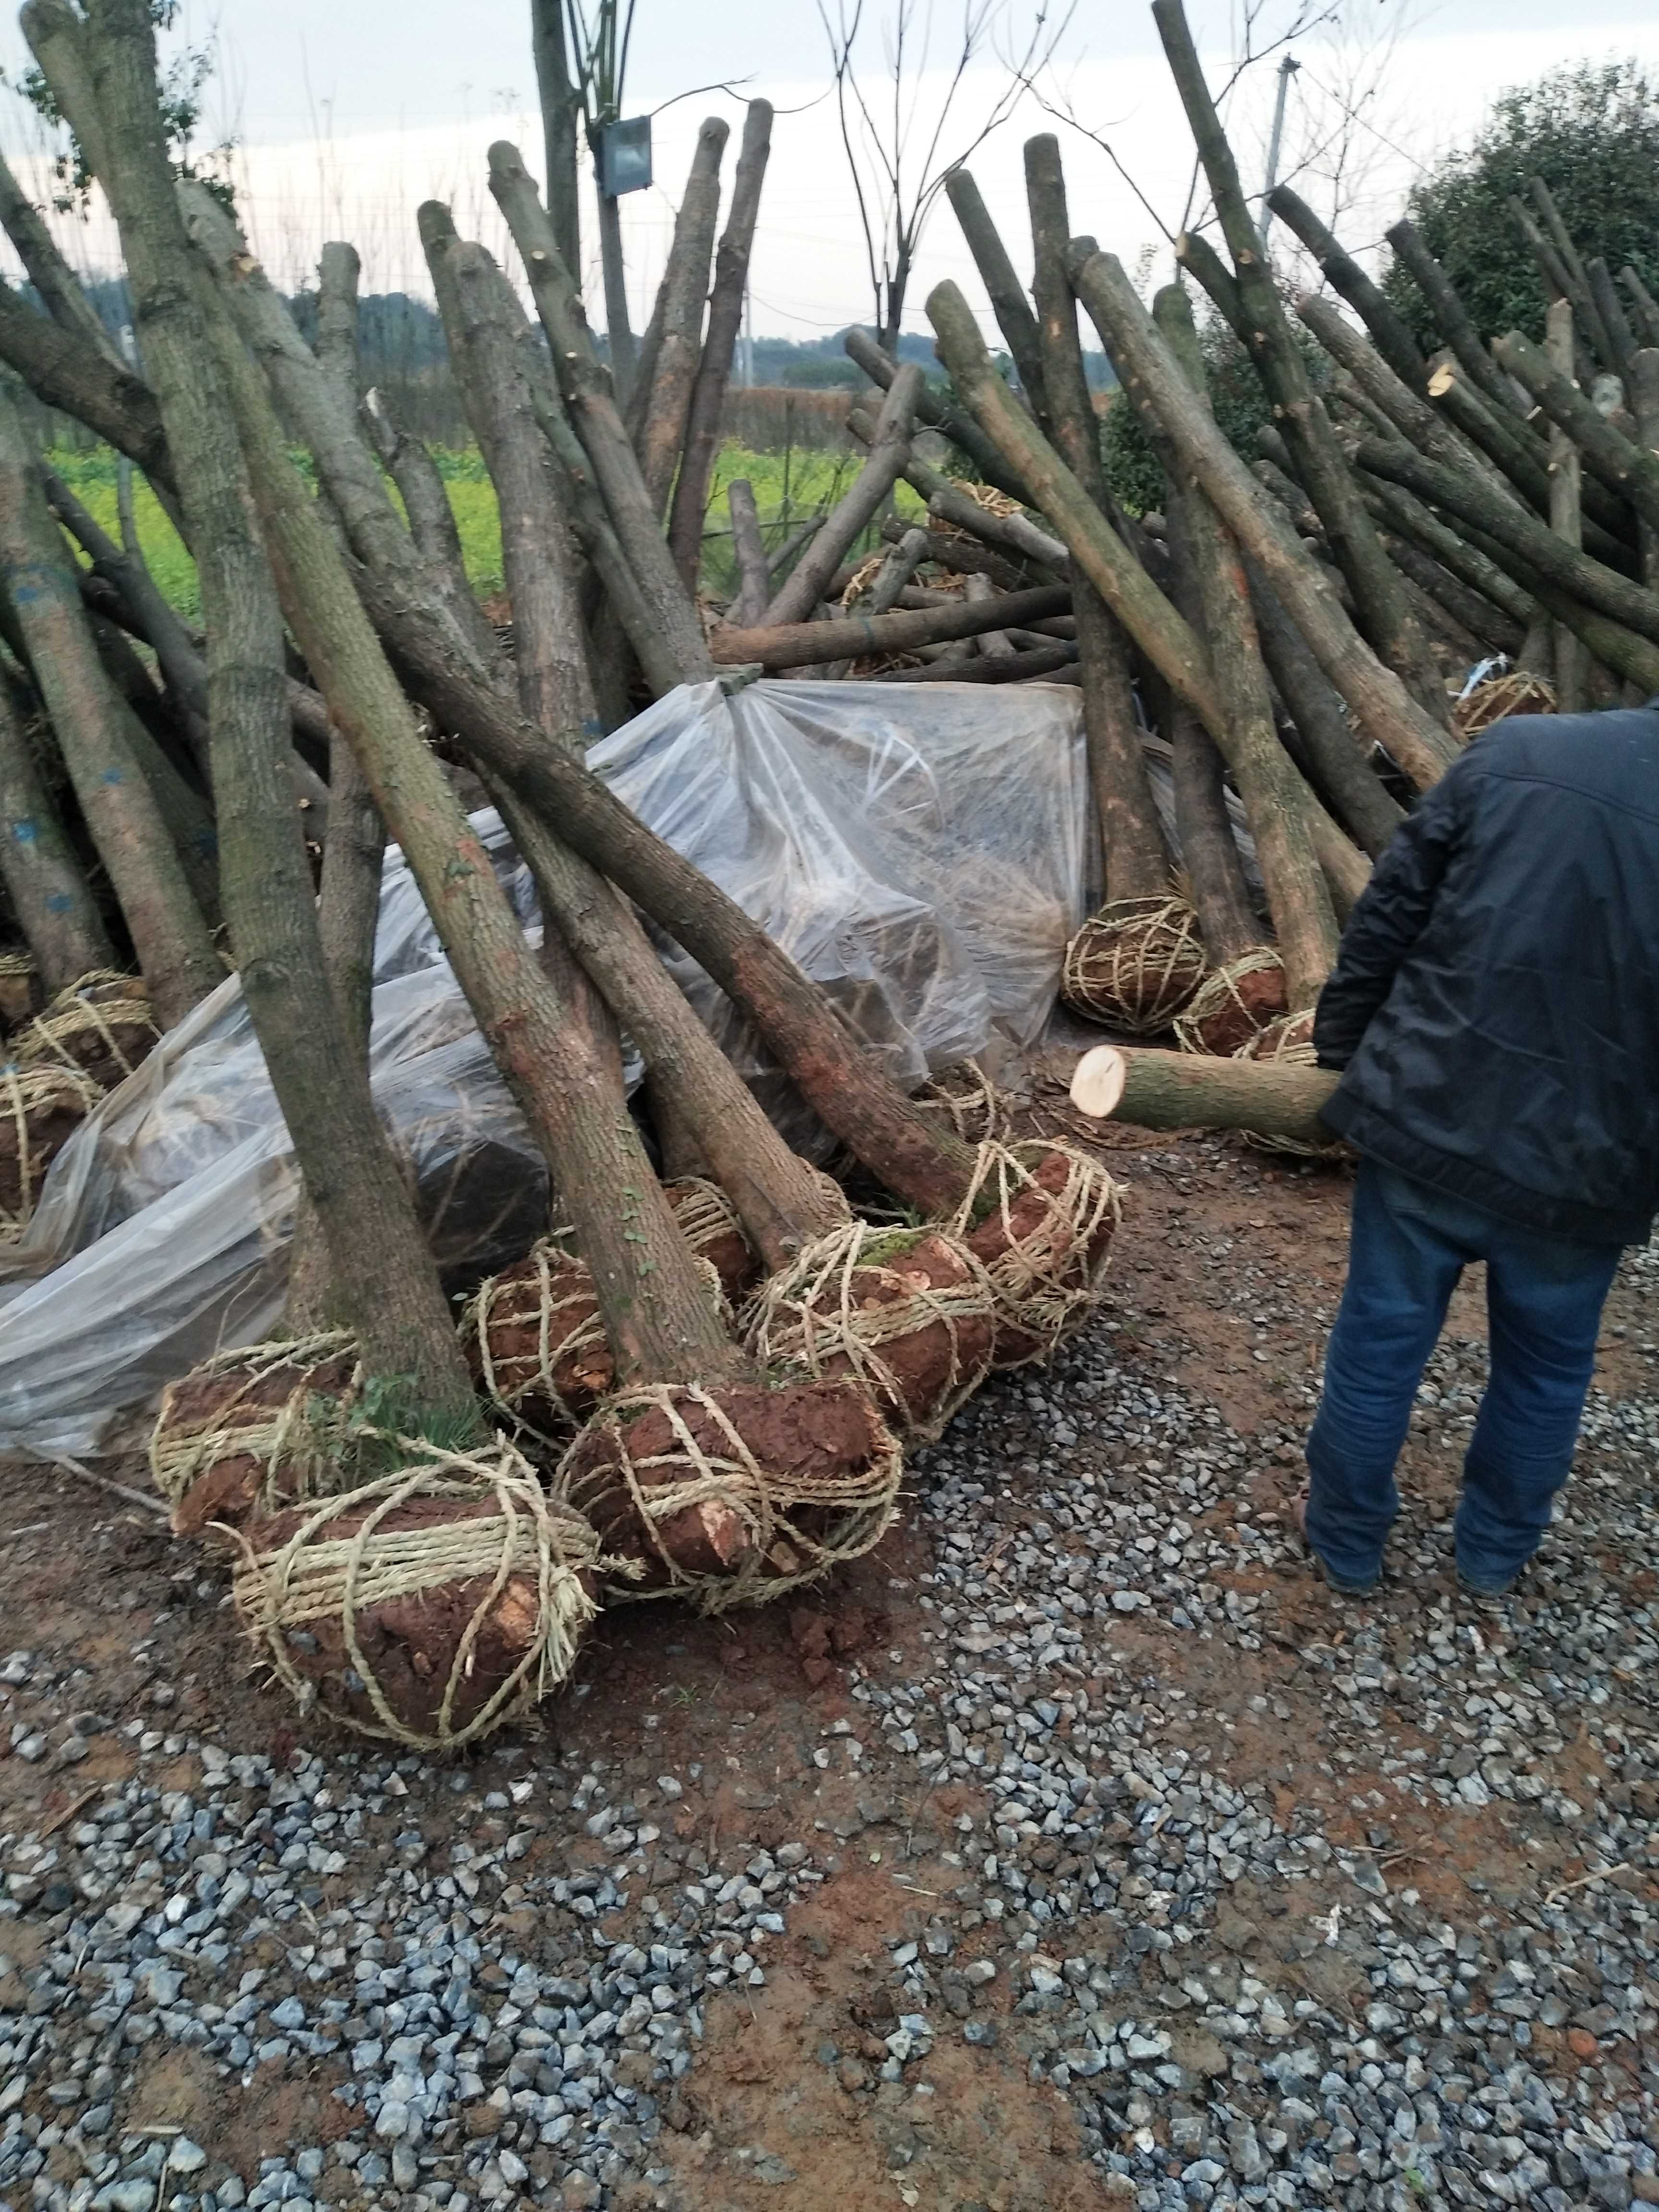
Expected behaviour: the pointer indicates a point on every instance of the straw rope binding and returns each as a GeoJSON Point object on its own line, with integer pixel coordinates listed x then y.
{"type": "Point", "coordinates": [100, 1025]}
{"type": "Point", "coordinates": [40, 1108]}
{"type": "Point", "coordinates": [1289, 1040]}
{"type": "Point", "coordinates": [1040, 1218]}
{"type": "Point", "coordinates": [1516, 692]}
{"type": "Point", "coordinates": [257, 1428]}
{"type": "Point", "coordinates": [1135, 964]}
{"type": "Point", "coordinates": [428, 1607]}
{"type": "Point", "coordinates": [909, 1314]}
{"type": "Point", "coordinates": [964, 1096]}
{"type": "Point", "coordinates": [1233, 1003]}
{"type": "Point", "coordinates": [733, 1498]}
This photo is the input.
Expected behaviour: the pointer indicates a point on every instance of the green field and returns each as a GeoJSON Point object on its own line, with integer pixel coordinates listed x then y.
{"type": "Point", "coordinates": [788, 490]}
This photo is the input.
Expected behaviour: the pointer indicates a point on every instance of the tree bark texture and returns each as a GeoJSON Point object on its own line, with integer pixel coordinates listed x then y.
{"type": "Point", "coordinates": [560, 108]}
{"type": "Point", "coordinates": [1394, 341]}
{"type": "Point", "coordinates": [857, 507]}
{"type": "Point", "coordinates": [1137, 860]}
{"type": "Point", "coordinates": [55, 910]}
{"type": "Point", "coordinates": [939, 415]}
{"type": "Point", "coordinates": [1380, 603]}
{"type": "Point", "coordinates": [1012, 309]}
{"type": "Point", "coordinates": [1631, 470]}
{"type": "Point", "coordinates": [726, 297]}
{"type": "Point", "coordinates": [96, 736]}
{"type": "Point", "coordinates": [1476, 615]}
{"type": "Point", "coordinates": [1384, 708]}
{"type": "Point", "coordinates": [749, 548]}
{"type": "Point", "coordinates": [619, 332]}
{"type": "Point", "coordinates": [338, 272]}
{"type": "Point", "coordinates": [1644, 389]}
{"type": "Point", "coordinates": [1184, 1090]}
{"type": "Point", "coordinates": [1566, 519]}
{"type": "Point", "coordinates": [593, 412]}
{"type": "Point", "coordinates": [49, 274]}
{"type": "Point", "coordinates": [679, 344]}
{"type": "Point", "coordinates": [381, 1266]}
{"type": "Point", "coordinates": [853, 637]}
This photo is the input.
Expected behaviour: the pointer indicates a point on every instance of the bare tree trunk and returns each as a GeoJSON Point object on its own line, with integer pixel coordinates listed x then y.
{"type": "Point", "coordinates": [1209, 852]}
{"type": "Point", "coordinates": [1589, 328]}
{"type": "Point", "coordinates": [702, 426]}
{"type": "Point", "coordinates": [1394, 341]}
{"type": "Point", "coordinates": [1182, 1090]}
{"type": "Point", "coordinates": [55, 910]}
{"type": "Point", "coordinates": [384, 1274]}
{"type": "Point", "coordinates": [939, 415]}
{"type": "Point", "coordinates": [1137, 860]}
{"type": "Point", "coordinates": [49, 274]}
{"type": "Point", "coordinates": [679, 348]}
{"type": "Point", "coordinates": [1385, 710]}
{"type": "Point", "coordinates": [619, 333]}
{"type": "Point", "coordinates": [338, 272]}
{"type": "Point", "coordinates": [1644, 406]}
{"type": "Point", "coordinates": [658, 1319]}
{"type": "Point", "coordinates": [594, 411]}
{"type": "Point", "coordinates": [1477, 617]}
{"type": "Point", "coordinates": [1565, 520]}
{"type": "Point", "coordinates": [1384, 615]}
{"type": "Point", "coordinates": [1630, 470]}
{"type": "Point", "coordinates": [96, 737]}
{"type": "Point", "coordinates": [1455, 324]}
{"type": "Point", "coordinates": [1014, 317]}
{"type": "Point", "coordinates": [754, 583]}
{"type": "Point", "coordinates": [1398, 510]}
{"type": "Point", "coordinates": [560, 108]}
{"type": "Point", "coordinates": [888, 452]}
{"type": "Point", "coordinates": [809, 644]}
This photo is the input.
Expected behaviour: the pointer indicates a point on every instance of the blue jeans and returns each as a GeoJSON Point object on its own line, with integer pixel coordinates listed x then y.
{"type": "Point", "coordinates": [1544, 1297]}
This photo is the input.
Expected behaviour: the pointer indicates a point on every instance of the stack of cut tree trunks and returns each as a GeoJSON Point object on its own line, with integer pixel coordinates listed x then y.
{"type": "Point", "coordinates": [699, 1381]}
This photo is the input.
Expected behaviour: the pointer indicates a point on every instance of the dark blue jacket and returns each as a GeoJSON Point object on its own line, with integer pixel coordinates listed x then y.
{"type": "Point", "coordinates": [1496, 1001]}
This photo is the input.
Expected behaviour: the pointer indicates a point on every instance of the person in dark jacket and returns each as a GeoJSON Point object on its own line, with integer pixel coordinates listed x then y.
{"type": "Point", "coordinates": [1495, 1011]}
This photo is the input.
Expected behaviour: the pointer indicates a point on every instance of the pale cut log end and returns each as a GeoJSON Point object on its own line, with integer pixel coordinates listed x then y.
{"type": "Point", "coordinates": [1098, 1082]}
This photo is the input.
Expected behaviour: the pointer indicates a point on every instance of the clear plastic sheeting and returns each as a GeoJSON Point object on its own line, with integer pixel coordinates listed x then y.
{"type": "Point", "coordinates": [918, 849]}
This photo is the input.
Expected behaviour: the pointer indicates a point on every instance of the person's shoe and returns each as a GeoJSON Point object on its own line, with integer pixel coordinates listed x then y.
{"type": "Point", "coordinates": [1343, 1587]}
{"type": "Point", "coordinates": [1488, 1591]}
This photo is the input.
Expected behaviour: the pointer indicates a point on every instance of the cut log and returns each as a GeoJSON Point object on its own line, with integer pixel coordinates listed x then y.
{"type": "Point", "coordinates": [1644, 406]}
{"type": "Point", "coordinates": [1136, 858]}
{"type": "Point", "coordinates": [854, 512]}
{"type": "Point", "coordinates": [1179, 1091]}
{"type": "Point", "coordinates": [804, 644]}
{"type": "Point", "coordinates": [939, 415]}
{"type": "Point", "coordinates": [45, 881]}
{"type": "Point", "coordinates": [1566, 519]}
{"type": "Point", "coordinates": [1393, 339]}
{"type": "Point", "coordinates": [1630, 470]}
{"type": "Point", "coordinates": [1012, 309]}
{"type": "Point", "coordinates": [665, 401]}
{"type": "Point", "coordinates": [754, 587]}
{"type": "Point", "coordinates": [1457, 325]}
{"type": "Point", "coordinates": [725, 298]}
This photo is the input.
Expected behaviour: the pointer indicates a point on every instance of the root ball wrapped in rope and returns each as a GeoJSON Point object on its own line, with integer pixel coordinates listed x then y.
{"type": "Point", "coordinates": [427, 1608]}
{"type": "Point", "coordinates": [964, 1098]}
{"type": "Point", "coordinates": [1233, 1004]}
{"type": "Point", "coordinates": [256, 1428]}
{"type": "Point", "coordinates": [910, 1314]}
{"type": "Point", "coordinates": [40, 1108]}
{"type": "Point", "coordinates": [19, 980]}
{"type": "Point", "coordinates": [101, 1026]}
{"type": "Point", "coordinates": [1040, 1218]}
{"type": "Point", "coordinates": [1135, 964]}
{"type": "Point", "coordinates": [533, 1334]}
{"type": "Point", "coordinates": [732, 1496]}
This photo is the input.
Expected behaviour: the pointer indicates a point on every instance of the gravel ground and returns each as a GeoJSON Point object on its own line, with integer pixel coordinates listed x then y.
{"type": "Point", "coordinates": [1079, 1849]}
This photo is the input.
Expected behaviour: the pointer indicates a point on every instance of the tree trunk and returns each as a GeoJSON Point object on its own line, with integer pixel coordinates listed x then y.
{"type": "Point", "coordinates": [684, 290]}
{"type": "Point", "coordinates": [1611, 310]}
{"type": "Point", "coordinates": [807, 644]}
{"type": "Point", "coordinates": [856, 508]}
{"type": "Point", "coordinates": [1455, 324]}
{"type": "Point", "coordinates": [1384, 709]}
{"type": "Point", "coordinates": [1396, 509]}
{"type": "Point", "coordinates": [1338, 768]}
{"type": "Point", "coordinates": [1016, 534]}
{"type": "Point", "coordinates": [96, 737]}
{"type": "Point", "coordinates": [1644, 406]}
{"type": "Point", "coordinates": [594, 411]}
{"type": "Point", "coordinates": [1565, 519]}
{"type": "Point", "coordinates": [903, 558]}
{"type": "Point", "coordinates": [385, 1276]}
{"type": "Point", "coordinates": [1156, 1090]}
{"type": "Point", "coordinates": [49, 274]}
{"type": "Point", "coordinates": [55, 910]}
{"type": "Point", "coordinates": [1630, 470]}
{"type": "Point", "coordinates": [658, 1319]}
{"type": "Point", "coordinates": [1209, 852]}
{"type": "Point", "coordinates": [560, 106]}
{"type": "Point", "coordinates": [338, 272]}
{"type": "Point", "coordinates": [1601, 589]}
{"type": "Point", "coordinates": [702, 425]}
{"type": "Point", "coordinates": [1380, 603]}
{"type": "Point", "coordinates": [754, 583]}
{"type": "Point", "coordinates": [1475, 616]}
{"type": "Point", "coordinates": [1014, 317]}
{"type": "Point", "coordinates": [1274, 795]}
{"type": "Point", "coordinates": [1394, 341]}
{"type": "Point", "coordinates": [939, 415]}
{"type": "Point", "coordinates": [619, 334]}
{"type": "Point", "coordinates": [1137, 860]}
{"type": "Point", "coordinates": [1589, 328]}
{"type": "Point", "coordinates": [1621, 650]}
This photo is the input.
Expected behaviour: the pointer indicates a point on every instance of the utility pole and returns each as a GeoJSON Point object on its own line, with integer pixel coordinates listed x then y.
{"type": "Point", "coordinates": [1287, 69]}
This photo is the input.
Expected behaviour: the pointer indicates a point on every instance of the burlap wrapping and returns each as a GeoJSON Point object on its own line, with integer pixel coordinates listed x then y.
{"type": "Point", "coordinates": [532, 1335]}
{"type": "Point", "coordinates": [910, 1314]}
{"type": "Point", "coordinates": [1516, 692]}
{"type": "Point", "coordinates": [40, 1108]}
{"type": "Point", "coordinates": [256, 1428]}
{"type": "Point", "coordinates": [1233, 1003]}
{"type": "Point", "coordinates": [1289, 1039]}
{"type": "Point", "coordinates": [1040, 1218]}
{"type": "Point", "coordinates": [100, 1025]}
{"type": "Point", "coordinates": [732, 1497]}
{"type": "Point", "coordinates": [1135, 964]}
{"type": "Point", "coordinates": [427, 1608]}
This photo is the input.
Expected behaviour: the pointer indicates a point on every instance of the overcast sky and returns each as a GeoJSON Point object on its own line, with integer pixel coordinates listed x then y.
{"type": "Point", "coordinates": [349, 111]}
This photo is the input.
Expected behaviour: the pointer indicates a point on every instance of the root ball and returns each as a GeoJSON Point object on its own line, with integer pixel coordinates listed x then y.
{"type": "Point", "coordinates": [1135, 964]}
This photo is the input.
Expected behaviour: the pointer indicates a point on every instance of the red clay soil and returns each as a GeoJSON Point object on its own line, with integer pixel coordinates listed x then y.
{"type": "Point", "coordinates": [1234, 1024]}
{"type": "Point", "coordinates": [1136, 973]}
{"type": "Point", "coordinates": [32, 1142]}
{"type": "Point", "coordinates": [232, 1399]}
{"type": "Point", "coordinates": [1027, 1217]}
{"type": "Point", "coordinates": [411, 1644]}
{"type": "Point", "coordinates": [811, 1440]}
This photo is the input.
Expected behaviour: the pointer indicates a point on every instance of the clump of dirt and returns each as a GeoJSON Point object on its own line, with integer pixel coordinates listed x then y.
{"type": "Point", "coordinates": [1232, 1006]}
{"type": "Point", "coordinates": [1043, 1246]}
{"type": "Point", "coordinates": [260, 1427]}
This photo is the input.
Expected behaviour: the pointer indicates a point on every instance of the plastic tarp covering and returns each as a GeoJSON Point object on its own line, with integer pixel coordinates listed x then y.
{"type": "Point", "coordinates": [918, 849]}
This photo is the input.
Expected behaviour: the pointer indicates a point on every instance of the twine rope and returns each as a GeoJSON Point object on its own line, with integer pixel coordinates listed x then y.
{"type": "Point", "coordinates": [1288, 1040]}
{"type": "Point", "coordinates": [314, 1577]}
{"type": "Point", "coordinates": [814, 1312]}
{"type": "Point", "coordinates": [26, 1090]}
{"type": "Point", "coordinates": [1220, 990]}
{"type": "Point", "coordinates": [731, 1476]}
{"type": "Point", "coordinates": [1044, 1280]}
{"type": "Point", "coordinates": [298, 1440]}
{"type": "Point", "coordinates": [71, 1013]}
{"type": "Point", "coordinates": [968, 1098]}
